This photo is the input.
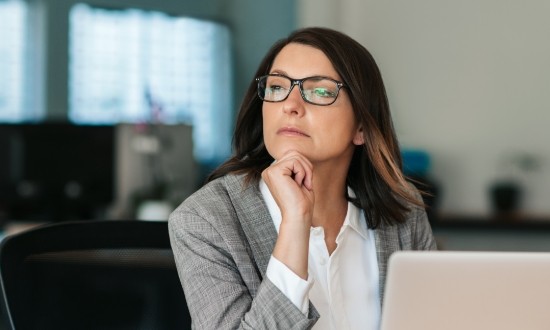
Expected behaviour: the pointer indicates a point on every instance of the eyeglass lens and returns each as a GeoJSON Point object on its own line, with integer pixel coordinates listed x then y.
{"type": "Point", "coordinates": [316, 90]}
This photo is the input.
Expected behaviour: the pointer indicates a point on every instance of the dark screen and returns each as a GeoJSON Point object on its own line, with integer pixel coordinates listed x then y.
{"type": "Point", "coordinates": [55, 171]}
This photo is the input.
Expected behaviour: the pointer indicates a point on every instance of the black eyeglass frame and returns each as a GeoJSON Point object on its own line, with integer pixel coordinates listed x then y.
{"type": "Point", "coordinates": [299, 82]}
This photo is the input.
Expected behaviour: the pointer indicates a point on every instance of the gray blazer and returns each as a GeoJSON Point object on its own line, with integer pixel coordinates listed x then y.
{"type": "Point", "coordinates": [222, 237]}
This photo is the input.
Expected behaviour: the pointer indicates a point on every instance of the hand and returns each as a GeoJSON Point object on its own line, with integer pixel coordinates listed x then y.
{"type": "Point", "coordinates": [290, 181]}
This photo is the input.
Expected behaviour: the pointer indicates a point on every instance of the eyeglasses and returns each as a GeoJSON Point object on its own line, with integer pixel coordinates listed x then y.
{"type": "Point", "coordinates": [316, 90]}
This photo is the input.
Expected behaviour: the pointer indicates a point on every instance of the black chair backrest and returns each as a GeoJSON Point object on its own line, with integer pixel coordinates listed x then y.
{"type": "Point", "coordinates": [92, 275]}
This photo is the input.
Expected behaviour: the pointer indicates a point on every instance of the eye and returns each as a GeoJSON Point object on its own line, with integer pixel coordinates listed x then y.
{"type": "Point", "coordinates": [323, 92]}
{"type": "Point", "coordinates": [277, 84]}
{"type": "Point", "coordinates": [274, 88]}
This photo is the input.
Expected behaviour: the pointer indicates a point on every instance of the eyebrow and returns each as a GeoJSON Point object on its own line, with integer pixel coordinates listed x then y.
{"type": "Point", "coordinates": [282, 72]}
{"type": "Point", "coordinates": [278, 72]}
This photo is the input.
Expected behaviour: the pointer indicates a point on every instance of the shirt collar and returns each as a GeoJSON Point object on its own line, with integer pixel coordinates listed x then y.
{"type": "Point", "coordinates": [355, 218]}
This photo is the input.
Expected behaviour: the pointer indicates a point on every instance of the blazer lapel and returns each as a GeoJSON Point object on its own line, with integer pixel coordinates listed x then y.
{"type": "Point", "coordinates": [254, 217]}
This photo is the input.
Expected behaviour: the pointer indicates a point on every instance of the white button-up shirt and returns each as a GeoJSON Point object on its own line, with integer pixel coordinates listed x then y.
{"type": "Point", "coordinates": [343, 286]}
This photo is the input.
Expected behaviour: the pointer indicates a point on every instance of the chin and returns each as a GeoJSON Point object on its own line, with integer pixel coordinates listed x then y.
{"type": "Point", "coordinates": [280, 146]}
{"type": "Point", "coordinates": [279, 152]}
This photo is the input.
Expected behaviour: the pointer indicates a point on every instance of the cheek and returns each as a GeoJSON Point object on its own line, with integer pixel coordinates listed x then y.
{"type": "Point", "coordinates": [265, 113]}
{"type": "Point", "coordinates": [265, 122]}
{"type": "Point", "coordinates": [266, 127]}
{"type": "Point", "coordinates": [341, 130]}
{"type": "Point", "coordinates": [269, 116]}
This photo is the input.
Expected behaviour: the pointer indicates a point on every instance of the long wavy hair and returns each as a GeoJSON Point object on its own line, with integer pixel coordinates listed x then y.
{"type": "Point", "coordinates": [375, 173]}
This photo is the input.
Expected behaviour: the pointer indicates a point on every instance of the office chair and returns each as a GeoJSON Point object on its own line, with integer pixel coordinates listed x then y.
{"type": "Point", "coordinates": [92, 275]}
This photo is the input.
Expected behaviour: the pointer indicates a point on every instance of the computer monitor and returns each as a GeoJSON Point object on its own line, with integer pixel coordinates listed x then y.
{"type": "Point", "coordinates": [55, 171]}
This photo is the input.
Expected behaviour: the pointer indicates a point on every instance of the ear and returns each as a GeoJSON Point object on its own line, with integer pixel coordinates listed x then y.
{"type": "Point", "coordinates": [358, 138]}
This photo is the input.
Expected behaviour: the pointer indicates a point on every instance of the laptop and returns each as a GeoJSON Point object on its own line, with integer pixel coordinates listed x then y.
{"type": "Point", "coordinates": [447, 290]}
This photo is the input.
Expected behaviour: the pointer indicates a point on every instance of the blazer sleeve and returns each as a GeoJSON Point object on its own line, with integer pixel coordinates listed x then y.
{"type": "Point", "coordinates": [214, 286]}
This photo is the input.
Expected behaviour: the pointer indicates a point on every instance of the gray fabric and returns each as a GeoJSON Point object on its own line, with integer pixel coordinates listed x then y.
{"type": "Point", "coordinates": [222, 237]}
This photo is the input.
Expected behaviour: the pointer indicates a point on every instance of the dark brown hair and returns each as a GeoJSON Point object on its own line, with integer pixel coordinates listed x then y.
{"type": "Point", "coordinates": [375, 172]}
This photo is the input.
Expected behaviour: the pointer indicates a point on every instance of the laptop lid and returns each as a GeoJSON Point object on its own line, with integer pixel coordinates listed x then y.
{"type": "Point", "coordinates": [467, 290]}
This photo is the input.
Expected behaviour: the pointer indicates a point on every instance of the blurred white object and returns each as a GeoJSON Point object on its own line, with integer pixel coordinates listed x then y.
{"type": "Point", "coordinates": [154, 210]}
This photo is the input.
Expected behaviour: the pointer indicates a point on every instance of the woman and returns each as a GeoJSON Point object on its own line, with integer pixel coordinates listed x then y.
{"type": "Point", "coordinates": [295, 230]}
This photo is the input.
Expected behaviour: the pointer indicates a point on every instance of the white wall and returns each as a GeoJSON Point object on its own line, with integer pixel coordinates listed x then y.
{"type": "Point", "coordinates": [469, 81]}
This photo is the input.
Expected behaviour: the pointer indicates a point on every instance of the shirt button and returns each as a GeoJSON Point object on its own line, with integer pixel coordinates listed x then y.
{"type": "Point", "coordinates": [322, 261]}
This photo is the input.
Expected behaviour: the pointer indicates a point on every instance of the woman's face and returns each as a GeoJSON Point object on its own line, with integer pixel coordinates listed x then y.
{"type": "Point", "coordinates": [323, 134]}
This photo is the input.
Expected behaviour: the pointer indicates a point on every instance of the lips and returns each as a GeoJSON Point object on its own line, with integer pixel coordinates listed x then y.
{"type": "Point", "coordinates": [291, 131]}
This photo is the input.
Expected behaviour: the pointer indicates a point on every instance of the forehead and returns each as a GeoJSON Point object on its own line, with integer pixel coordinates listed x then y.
{"type": "Point", "coordinates": [300, 61]}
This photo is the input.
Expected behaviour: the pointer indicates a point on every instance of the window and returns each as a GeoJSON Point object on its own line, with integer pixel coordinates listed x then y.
{"type": "Point", "coordinates": [13, 54]}
{"type": "Point", "coordinates": [136, 66]}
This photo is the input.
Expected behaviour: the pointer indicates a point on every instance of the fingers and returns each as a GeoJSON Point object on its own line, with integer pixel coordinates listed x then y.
{"type": "Point", "coordinates": [298, 167]}
{"type": "Point", "coordinates": [289, 179]}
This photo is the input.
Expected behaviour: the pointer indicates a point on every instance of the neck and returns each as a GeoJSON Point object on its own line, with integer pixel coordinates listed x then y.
{"type": "Point", "coordinates": [329, 186]}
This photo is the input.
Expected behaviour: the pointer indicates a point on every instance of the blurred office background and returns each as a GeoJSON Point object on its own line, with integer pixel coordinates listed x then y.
{"type": "Point", "coordinates": [153, 88]}
{"type": "Point", "coordinates": [119, 110]}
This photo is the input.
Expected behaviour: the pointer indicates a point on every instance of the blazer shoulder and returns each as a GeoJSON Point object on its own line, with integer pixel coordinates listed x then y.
{"type": "Point", "coordinates": [212, 196]}
{"type": "Point", "coordinates": [216, 202]}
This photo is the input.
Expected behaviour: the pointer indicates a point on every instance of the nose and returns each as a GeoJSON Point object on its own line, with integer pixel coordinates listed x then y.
{"type": "Point", "coordinates": [294, 104]}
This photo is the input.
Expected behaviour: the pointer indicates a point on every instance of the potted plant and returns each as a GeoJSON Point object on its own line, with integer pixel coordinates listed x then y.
{"type": "Point", "coordinates": [507, 191]}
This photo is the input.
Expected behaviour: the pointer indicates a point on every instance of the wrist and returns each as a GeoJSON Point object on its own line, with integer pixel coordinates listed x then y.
{"type": "Point", "coordinates": [296, 217]}
{"type": "Point", "coordinates": [298, 228]}
{"type": "Point", "coordinates": [292, 246]}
